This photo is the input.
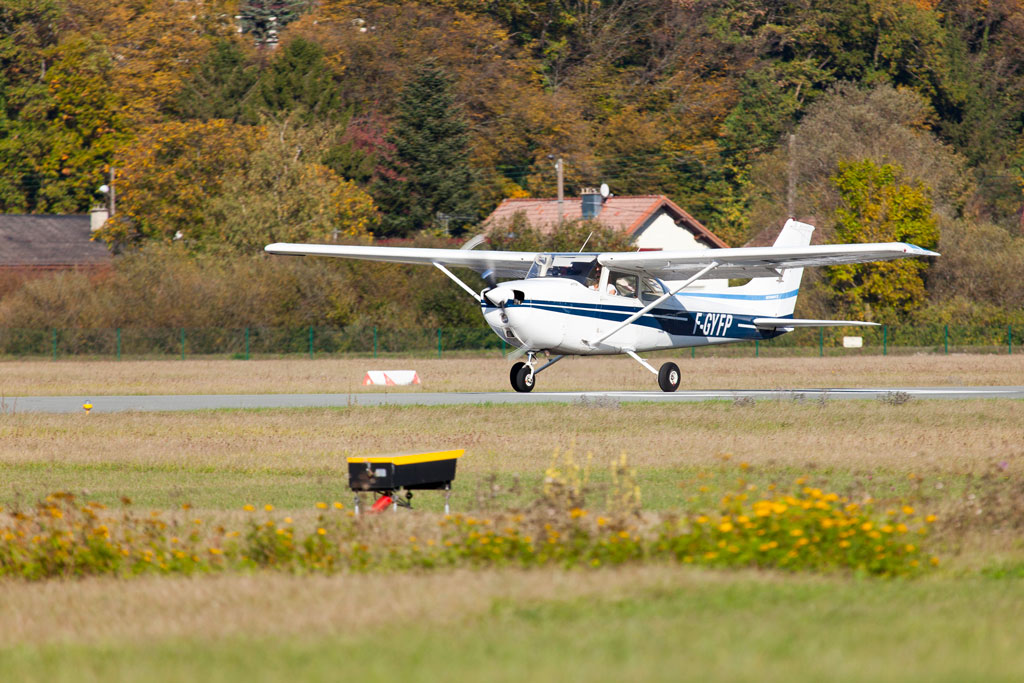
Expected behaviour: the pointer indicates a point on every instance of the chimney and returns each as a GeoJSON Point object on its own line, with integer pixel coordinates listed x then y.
{"type": "Point", "coordinates": [97, 218]}
{"type": "Point", "coordinates": [592, 203]}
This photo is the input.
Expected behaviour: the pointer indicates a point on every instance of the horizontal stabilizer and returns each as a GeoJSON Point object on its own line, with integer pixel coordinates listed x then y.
{"type": "Point", "coordinates": [774, 323]}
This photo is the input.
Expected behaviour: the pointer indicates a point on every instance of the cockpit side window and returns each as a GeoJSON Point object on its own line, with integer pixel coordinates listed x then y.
{"type": "Point", "coordinates": [622, 284]}
{"type": "Point", "coordinates": [650, 289]}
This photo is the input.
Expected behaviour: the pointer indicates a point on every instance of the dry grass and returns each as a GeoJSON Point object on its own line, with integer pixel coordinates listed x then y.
{"type": "Point", "coordinates": [96, 378]}
{"type": "Point", "coordinates": [862, 435]}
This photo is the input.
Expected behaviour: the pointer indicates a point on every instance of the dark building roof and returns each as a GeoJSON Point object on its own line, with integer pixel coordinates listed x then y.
{"type": "Point", "coordinates": [43, 241]}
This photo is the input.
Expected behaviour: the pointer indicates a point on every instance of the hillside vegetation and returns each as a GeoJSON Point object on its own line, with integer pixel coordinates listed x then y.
{"type": "Point", "coordinates": [232, 124]}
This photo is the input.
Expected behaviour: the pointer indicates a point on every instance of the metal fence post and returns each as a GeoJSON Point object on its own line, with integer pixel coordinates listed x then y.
{"type": "Point", "coordinates": [821, 341]}
{"type": "Point", "coordinates": [693, 352]}
{"type": "Point", "coordinates": [119, 343]}
{"type": "Point", "coordinates": [247, 343]}
{"type": "Point", "coordinates": [1009, 339]}
{"type": "Point", "coordinates": [439, 342]}
{"type": "Point", "coordinates": [885, 339]}
{"type": "Point", "coordinates": [374, 341]}
{"type": "Point", "coordinates": [945, 338]}
{"type": "Point", "coordinates": [55, 343]}
{"type": "Point", "coordinates": [310, 341]}
{"type": "Point", "coordinates": [183, 343]}
{"type": "Point", "coordinates": [757, 348]}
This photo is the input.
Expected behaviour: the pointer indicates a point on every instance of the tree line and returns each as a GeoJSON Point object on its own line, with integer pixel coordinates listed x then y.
{"type": "Point", "coordinates": [231, 124]}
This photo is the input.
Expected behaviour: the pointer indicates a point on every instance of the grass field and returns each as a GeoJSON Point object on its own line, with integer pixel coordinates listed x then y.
{"type": "Point", "coordinates": [473, 373]}
{"type": "Point", "coordinates": [962, 460]}
{"type": "Point", "coordinates": [649, 623]}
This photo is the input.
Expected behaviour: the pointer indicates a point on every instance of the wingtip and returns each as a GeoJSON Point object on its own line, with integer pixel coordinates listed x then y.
{"type": "Point", "coordinates": [919, 251]}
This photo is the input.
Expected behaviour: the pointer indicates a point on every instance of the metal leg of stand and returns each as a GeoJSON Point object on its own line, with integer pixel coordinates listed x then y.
{"type": "Point", "coordinates": [447, 494]}
{"type": "Point", "coordinates": [356, 503]}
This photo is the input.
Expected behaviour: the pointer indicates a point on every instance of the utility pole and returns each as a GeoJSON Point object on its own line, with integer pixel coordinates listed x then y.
{"type": "Point", "coordinates": [561, 189]}
{"type": "Point", "coordinates": [112, 199]}
{"type": "Point", "coordinates": [791, 192]}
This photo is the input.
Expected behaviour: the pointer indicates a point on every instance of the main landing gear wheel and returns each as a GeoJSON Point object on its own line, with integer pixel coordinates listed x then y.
{"type": "Point", "coordinates": [668, 377]}
{"type": "Point", "coordinates": [522, 377]}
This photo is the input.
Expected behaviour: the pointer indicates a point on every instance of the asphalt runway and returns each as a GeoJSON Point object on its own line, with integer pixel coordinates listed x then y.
{"type": "Point", "coordinates": [113, 404]}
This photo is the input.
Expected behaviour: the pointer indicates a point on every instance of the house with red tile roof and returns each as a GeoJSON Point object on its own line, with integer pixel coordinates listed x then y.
{"type": "Point", "coordinates": [651, 221]}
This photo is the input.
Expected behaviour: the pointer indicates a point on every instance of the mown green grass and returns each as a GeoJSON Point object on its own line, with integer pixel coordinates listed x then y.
{"type": "Point", "coordinates": [736, 627]}
{"type": "Point", "coordinates": [212, 488]}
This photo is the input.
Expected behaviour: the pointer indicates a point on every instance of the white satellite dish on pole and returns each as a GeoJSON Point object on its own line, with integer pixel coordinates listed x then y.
{"type": "Point", "coordinates": [605, 191]}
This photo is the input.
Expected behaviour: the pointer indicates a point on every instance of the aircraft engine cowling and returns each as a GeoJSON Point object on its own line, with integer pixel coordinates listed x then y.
{"type": "Point", "coordinates": [500, 296]}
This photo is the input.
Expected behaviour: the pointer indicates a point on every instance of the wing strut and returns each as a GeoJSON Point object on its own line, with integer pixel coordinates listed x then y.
{"type": "Point", "coordinates": [628, 321]}
{"type": "Point", "coordinates": [457, 281]}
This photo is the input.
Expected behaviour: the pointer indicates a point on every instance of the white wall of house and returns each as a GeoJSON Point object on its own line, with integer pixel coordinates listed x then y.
{"type": "Point", "coordinates": [663, 233]}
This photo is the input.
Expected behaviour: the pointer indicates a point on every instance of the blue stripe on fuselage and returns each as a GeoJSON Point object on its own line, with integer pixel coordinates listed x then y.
{"type": "Point", "coordinates": [672, 321]}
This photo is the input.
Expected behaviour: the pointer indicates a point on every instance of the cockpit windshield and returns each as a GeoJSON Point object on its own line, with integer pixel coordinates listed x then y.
{"type": "Point", "coordinates": [573, 266]}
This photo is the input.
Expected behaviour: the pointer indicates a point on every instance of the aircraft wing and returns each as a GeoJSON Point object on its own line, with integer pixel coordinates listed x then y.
{"type": "Point", "coordinates": [751, 262]}
{"type": "Point", "coordinates": [511, 264]}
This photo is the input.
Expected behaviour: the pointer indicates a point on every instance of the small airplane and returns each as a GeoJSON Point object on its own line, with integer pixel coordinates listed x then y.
{"type": "Point", "coordinates": [590, 304]}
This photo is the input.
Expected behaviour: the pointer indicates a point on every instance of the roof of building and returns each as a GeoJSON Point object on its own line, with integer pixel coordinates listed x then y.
{"type": "Point", "coordinates": [630, 214]}
{"type": "Point", "coordinates": [41, 241]}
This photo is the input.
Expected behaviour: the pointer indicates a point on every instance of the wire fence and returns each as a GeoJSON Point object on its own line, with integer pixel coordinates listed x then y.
{"type": "Point", "coordinates": [314, 341]}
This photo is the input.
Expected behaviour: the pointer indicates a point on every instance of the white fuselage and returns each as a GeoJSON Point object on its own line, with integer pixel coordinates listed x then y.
{"type": "Point", "coordinates": [563, 316]}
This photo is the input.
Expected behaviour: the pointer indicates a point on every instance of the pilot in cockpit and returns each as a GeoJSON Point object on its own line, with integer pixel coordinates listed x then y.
{"type": "Point", "coordinates": [594, 281]}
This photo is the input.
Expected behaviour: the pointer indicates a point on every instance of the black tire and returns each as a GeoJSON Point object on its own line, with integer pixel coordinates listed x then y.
{"type": "Point", "coordinates": [514, 373]}
{"type": "Point", "coordinates": [524, 379]}
{"type": "Point", "coordinates": [668, 377]}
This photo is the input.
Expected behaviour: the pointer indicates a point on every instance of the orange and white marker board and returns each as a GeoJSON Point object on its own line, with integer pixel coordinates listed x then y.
{"type": "Point", "coordinates": [390, 378]}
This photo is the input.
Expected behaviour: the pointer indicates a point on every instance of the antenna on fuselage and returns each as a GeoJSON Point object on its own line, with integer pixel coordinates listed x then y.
{"type": "Point", "coordinates": [585, 242]}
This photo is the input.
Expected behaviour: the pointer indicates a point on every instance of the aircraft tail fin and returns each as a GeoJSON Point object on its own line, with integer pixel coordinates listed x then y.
{"type": "Point", "coordinates": [777, 295]}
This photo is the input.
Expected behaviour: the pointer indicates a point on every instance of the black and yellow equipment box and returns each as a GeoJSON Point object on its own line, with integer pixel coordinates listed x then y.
{"type": "Point", "coordinates": [386, 474]}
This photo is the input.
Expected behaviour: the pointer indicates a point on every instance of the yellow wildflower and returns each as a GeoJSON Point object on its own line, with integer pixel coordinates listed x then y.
{"type": "Point", "coordinates": [248, 508]}
{"type": "Point", "coordinates": [907, 510]}
{"type": "Point", "coordinates": [321, 506]}
{"type": "Point", "coordinates": [268, 507]}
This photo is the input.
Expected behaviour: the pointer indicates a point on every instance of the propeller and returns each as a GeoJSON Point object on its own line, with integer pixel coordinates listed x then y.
{"type": "Point", "coordinates": [490, 279]}
{"type": "Point", "coordinates": [513, 356]}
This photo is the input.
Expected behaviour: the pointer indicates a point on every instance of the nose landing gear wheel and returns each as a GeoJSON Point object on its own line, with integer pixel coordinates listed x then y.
{"type": "Point", "coordinates": [514, 373]}
{"type": "Point", "coordinates": [668, 377]}
{"type": "Point", "coordinates": [522, 377]}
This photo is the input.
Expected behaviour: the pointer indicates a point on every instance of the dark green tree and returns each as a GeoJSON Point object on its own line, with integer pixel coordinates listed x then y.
{"type": "Point", "coordinates": [299, 81]}
{"type": "Point", "coordinates": [222, 87]}
{"type": "Point", "coordinates": [431, 182]}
